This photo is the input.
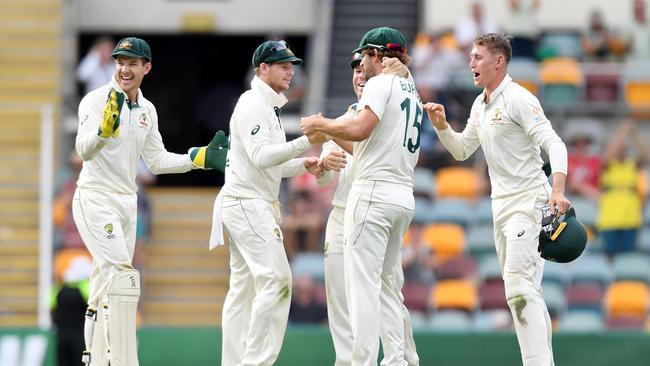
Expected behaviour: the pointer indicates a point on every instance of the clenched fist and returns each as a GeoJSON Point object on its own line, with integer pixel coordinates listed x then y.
{"type": "Point", "coordinates": [437, 115]}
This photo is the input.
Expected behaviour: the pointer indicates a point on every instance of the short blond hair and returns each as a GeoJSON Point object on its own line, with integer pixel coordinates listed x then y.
{"type": "Point", "coordinates": [496, 43]}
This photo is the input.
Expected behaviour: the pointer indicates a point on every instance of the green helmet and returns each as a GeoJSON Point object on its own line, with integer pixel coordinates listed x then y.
{"type": "Point", "coordinates": [562, 239]}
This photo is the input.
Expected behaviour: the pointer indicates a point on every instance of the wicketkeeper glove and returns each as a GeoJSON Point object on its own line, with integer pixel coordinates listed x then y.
{"type": "Point", "coordinates": [110, 124]}
{"type": "Point", "coordinates": [212, 156]}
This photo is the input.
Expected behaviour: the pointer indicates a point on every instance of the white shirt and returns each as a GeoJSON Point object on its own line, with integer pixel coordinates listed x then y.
{"type": "Point", "coordinates": [93, 73]}
{"type": "Point", "coordinates": [343, 184]}
{"type": "Point", "coordinates": [511, 128]}
{"type": "Point", "coordinates": [259, 155]}
{"type": "Point", "coordinates": [390, 153]}
{"type": "Point", "coordinates": [111, 164]}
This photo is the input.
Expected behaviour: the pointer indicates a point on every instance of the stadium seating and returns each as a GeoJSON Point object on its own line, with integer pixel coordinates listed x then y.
{"type": "Point", "coordinates": [480, 240]}
{"type": "Point", "coordinates": [492, 295]}
{"type": "Point", "coordinates": [446, 240]}
{"type": "Point", "coordinates": [454, 295]}
{"type": "Point", "coordinates": [601, 82]}
{"type": "Point", "coordinates": [460, 267]}
{"type": "Point", "coordinates": [483, 212]}
{"type": "Point", "coordinates": [586, 211]}
{"type": "Point", "coordinates": [644, 240]}
{"type": "Point", "coordinates": [489, 269]}
{"type": "Point", "coordinates": [585, 296]}
{"type": "Point", "coordinates": [424, 183]}
{"type": "Point", "coordinates": [555, 300]}
{"type": "Point", "coordinates": [416, 296]}
{"type": "Point", "coordinates": [632, 266]}
{"type": "Point", "coordinates": [560, 44]}
{"type": "Point", "coordinates": [458, 182]}
{"type": "Point", "coordinates": [64, 257]}
{"type": "Point", "coordinates": [498, 320]}
{"type": "Point", "coordinates": [561, 79]}
{"type": "Point", "coordinates": [555, 273]}
{"type": "Point", "coordinates": [452, 210]}
{"type": "Point", "coordinates": [627, 298]}
{"type": "Point", "coordinates": [581, 321]}
{"type": "Point", "coordinates": [450, 321]}
{"type": "Point", "coordinates": [525, 73]}
{"type": "Point", "coordinates": [591, 268]}
{"type": "Point", "coordinates": [636, 79]}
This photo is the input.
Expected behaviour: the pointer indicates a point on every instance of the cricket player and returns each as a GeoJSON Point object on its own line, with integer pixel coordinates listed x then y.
{"type": "Point", "coordinates": [507, 121]}
{"type": "Point", "coordinates": [256, 308]}
{"type": "Point", "coordinates": [112, 136]}
{"type": "Point", "coordinates": [386, 141]}
{"type": "Point", "coordinates": [333, 158]}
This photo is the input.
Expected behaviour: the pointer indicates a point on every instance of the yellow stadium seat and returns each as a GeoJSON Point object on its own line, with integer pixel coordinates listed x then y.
{"type": "Point", "coordinates": [446, 240]}
{"type": "Point", "coordinates": [561, 70]}
{"type": "Point", "coordinates": [457, 182]}
{"type": "Point", "coordinates": [455, 294]}
{"type": "Point", "coordinates": [627, 298]}
{"type": "Point", "coordinates": [530, 85]}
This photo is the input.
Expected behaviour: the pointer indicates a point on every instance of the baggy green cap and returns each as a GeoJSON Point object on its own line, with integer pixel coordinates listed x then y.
{"type": "Point", "coordinates": [356, 60]}
{"type": "Point", "coordinates": [132, 47]}
{"type": "Point", "coordinates": [382, 38]}
{"type": "Point", "coordinates": [274, 51]}
{"type": "Point", "coordinates": [562, 240]}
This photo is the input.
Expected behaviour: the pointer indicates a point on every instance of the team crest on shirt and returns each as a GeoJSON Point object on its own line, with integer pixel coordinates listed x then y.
{"type": "Point", "coordinates": [496, 118]}
{"type": "Point", "coordinates": [109, 231]}
{"type": "Point", "coordinates": [142, 122]}
{"type": "Point", "coordinates": [278, 234]}
{"type": "Point", "coordinates": [538, 116]}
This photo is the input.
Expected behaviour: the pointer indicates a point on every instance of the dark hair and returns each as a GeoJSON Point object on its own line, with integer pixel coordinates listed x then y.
{"type": "Point", "coordinates": [385, 52]}
{"type": "Point", "coordinates": [496, 43]}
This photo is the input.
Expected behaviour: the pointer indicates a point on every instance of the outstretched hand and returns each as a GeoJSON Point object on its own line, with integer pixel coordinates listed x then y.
{"type": "Point", "coordinates": [437, 115]}
{"type": "Point", "coordinates": [314, 166]}
{"type": "Point", "coordinates": [334, 161]}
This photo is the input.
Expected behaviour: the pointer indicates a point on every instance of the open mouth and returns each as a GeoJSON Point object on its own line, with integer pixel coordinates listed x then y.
{"type": "Point", "coordinates": [126, 78]}
{"type": "Point", "coordinates": [476, 75]}
{"type": "Point", "coordinates": [361, 85]}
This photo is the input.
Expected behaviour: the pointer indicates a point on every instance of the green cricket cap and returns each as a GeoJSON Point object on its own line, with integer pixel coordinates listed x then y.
{"type": "Point", "coordinates": [382, 38]}
{"type": "Point", "coordinates": [274, 51]}
{"type": "Point", "coordinates": [132, 47]}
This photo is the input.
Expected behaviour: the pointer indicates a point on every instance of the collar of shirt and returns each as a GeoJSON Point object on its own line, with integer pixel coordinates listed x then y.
{"type": "Point", "coordinates": [504, 83]}
{"type": "Point", "coordinates": [133, 103]}
{"type": "Point", "coordinates": [276, 100]}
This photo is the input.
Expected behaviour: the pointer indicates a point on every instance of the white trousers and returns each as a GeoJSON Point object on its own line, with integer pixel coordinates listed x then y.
{"type": "Point", "coordinates": [517, 223]}
{"type": "Point", "coordinates": [372, 264]}
{"type": "Point", "coordinates": [107, 224]}
{"type": "Point", "coordinates": [256, 309]}
{"type": "Point", "coordinates": [337, 308]}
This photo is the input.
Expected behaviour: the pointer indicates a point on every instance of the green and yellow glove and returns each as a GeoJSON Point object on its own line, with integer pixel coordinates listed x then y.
{"type": "Point", "coordinates": [110, 124]}
{"type": "Point", "coordinates": [212, 156]}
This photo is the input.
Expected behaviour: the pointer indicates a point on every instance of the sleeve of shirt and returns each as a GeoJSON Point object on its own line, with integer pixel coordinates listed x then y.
{"type": "Point", "coordinates": [293, 168]}
{"type": "Point", "coordinates": [529, 114]}
{"type": "Point", "coordinates": [157, 158]}
{"type": "Point", "coordinates": [328, 175]}
{"type": "Point", "coordinates": [87, 142]}
{"type": "Point", "coordinates": [375, 95]}
{"type": "Point", "coordinates": [256, 132]}
{"type": "Point", "coordinates": [461, 145]}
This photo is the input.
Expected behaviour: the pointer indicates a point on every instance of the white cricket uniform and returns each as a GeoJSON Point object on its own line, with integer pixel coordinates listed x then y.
{"type": "Point", "coordinates": [256, 309]}
{"type": "Point", "coordinates": [337, 309]}
{"type": "Point", "coordinates": [104, 206]}
{"type": "Point", "coordinates": [379, 208]}
{"type": "Point", "coordinates": [512, 129]}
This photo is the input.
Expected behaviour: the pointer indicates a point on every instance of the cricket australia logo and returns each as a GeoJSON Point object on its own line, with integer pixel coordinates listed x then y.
{"type": "Point", "coordinates": [496, 118]}
{"type": "Point", "coordinates": [278, 234]}
{"type": "Point", "coordinates": [109, 231]}
{"type": "Point", "coordinates": [142, 122]}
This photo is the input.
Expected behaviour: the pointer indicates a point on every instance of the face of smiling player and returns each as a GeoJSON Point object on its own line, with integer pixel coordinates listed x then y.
{"type": "Point", "coordinates": [486, 67]}
{"type": "Point", "coordinates": [277, 75]}
{"type": "Point", "coordinates": [358, 80]}
{"type": "Point", "coordinates": [129, 72]}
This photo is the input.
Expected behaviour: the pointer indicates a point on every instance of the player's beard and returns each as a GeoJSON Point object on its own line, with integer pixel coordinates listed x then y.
{"type": "Point", "coordinates": [369, 71]}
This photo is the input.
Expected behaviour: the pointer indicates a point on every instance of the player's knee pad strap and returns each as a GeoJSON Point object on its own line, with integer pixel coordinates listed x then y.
{"type": "Point", "coordinates": [121, 310]}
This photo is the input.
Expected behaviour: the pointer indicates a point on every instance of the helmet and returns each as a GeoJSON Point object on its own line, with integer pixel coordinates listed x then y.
{"type": "Point", "coordinates": [562, 239]}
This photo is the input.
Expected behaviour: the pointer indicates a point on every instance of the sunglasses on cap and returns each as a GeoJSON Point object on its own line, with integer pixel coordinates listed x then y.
{"type": "Point", "coordinates": [390, 46]}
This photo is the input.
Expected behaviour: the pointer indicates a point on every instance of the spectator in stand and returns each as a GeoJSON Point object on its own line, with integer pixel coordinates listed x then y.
{"type": "Point", "coordinates": [305, 307]}
{"type": "Point", "coordinates": [620, 211]}
{"type": "Point", "coordinates": [66, 233]}
{"type": "Point", "coordinates": [98, 66]}
{"type": "Point", "coordinates": [302, 226]}
{"type": "Point", "coordinates": [638, 36]}
{"type": "Point", "coordinates": [522, 25]}
{"type": "Point", "coordinates": [473, 25]}
{"type": "Point", "coordinates": [585, 167]}
{"type": "Point", "coordinates": [597, 41]}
